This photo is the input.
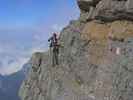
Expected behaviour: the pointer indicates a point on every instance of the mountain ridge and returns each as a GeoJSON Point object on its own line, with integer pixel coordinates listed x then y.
{"type": "Point", "coordinates": [95, 62]}
{"type": "Point", "coordinates": [10, 84]}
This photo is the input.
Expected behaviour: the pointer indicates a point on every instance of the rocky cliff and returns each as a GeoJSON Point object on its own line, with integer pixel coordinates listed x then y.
{"type": "Point", "coordinates": [96, 62]}
{"type": "Point", "coordinates": [106, 10]}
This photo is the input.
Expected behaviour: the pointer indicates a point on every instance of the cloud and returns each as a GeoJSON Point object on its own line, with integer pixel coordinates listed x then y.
{"type": "Point", "coordinates": [12, 58]}
{"type": "Point", "coordinates": [14, 54]}
{"type": "Point", "coordinates": [57, 28]}
{"type": "Point", "coordinates": [12, 67]}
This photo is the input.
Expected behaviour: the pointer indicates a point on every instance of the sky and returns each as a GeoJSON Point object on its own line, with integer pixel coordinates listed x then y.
{"type": "Point", "coordinates": [25, 26]}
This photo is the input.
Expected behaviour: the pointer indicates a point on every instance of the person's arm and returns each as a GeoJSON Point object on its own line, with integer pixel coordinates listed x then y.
{"type": "Point", "coordinates": [49, 39]}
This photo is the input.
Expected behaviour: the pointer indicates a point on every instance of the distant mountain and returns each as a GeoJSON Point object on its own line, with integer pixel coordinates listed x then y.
{"type": "Point", "coordinates": [9, 85]}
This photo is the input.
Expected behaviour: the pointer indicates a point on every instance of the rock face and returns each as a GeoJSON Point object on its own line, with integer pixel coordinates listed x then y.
{"type": "Point", "coordinates": [106, 10]}
{"type": "Point", "coordinates": [95, 62]}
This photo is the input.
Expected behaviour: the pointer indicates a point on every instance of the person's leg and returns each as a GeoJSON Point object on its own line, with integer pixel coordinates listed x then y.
{"type": "Point", "coordinates": [53, 57]}
{"type": "Point", "coordinates": [50, 55]}
{"type": "Point", "coordinates": [56, 56]}
{"type": "Point", "coordinates": [40, 61]}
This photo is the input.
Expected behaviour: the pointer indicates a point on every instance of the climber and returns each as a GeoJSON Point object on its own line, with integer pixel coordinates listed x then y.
{"type": "Point", "coordinates": [54, 46]}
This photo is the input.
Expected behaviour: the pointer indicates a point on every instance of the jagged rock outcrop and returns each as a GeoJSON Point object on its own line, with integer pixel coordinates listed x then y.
{"type": "Point", "coordinates": [95, 62]}
{"type": "Point", "coordinates": [106, 10]}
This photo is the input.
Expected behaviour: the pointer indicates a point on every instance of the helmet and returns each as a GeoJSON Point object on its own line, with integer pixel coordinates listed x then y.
{"type": "Point", "coordinates": [54, 34]}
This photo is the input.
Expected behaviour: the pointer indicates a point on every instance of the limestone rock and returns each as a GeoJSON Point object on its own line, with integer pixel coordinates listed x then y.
{"type": "Point", "coordinates": [108, 10]}
{"type": "Point", "coordinates": [95, 62]}
{"type": "Point", "coordinates": [85, 4]}
{"type": "Point", "coordinates": [88, 69]}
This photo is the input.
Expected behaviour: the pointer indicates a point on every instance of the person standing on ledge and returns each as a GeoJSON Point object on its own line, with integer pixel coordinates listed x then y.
{"type": "Point", "coordinates": [54, 47]}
